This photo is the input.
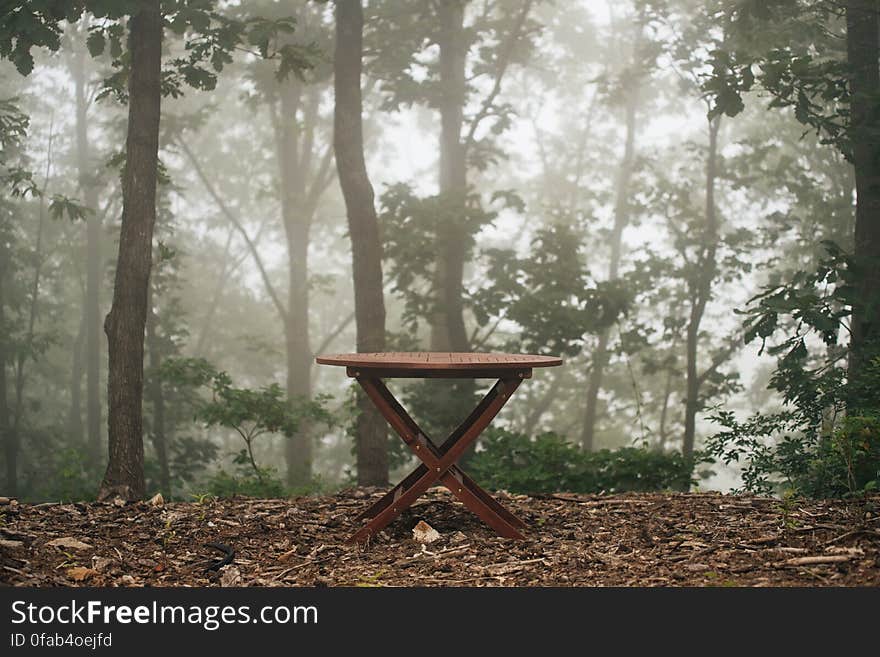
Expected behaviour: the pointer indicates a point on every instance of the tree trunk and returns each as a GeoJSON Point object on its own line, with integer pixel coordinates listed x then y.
{"type": "Point", "coordinates": [700, 294]}
{"type": "Point", "coordinates": [297, 220]}
{"type": "Point", "coordinates": [126, 320]}
{"type": "Point", "coordinates": [157, 401]}
{"type": "Point", "coordinates": [10, 452]}
{"type": "Point", "coordinates": [664, 411]}
{"type": "Point", "coordinates": [621, 219]}
{"type": "Point", "coordinates": [448, 332]}
{"type": "Point", "coordinates": [366, 245]}
{"type": "Point", "coordinates": [91, 309]}
{"type": "Point", "coordinates": [863, 52]}
{"type": "Point", "coordinates": [74, 418]}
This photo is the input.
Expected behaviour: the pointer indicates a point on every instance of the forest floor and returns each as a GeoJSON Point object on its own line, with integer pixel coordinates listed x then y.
{"type": "Point", "coordinates": [696, 539]}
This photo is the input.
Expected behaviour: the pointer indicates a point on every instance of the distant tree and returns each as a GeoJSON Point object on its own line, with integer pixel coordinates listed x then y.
{"type": "Point", "coordinates": [363, 226]}
{"type": "Point", "coordinates": [141, 80]}
{"type": "Point", "coordinates": [832, 85]}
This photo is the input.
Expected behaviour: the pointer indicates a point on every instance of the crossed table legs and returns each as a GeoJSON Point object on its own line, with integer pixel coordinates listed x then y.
{"type": "Point", "coordinates": [438, 463]}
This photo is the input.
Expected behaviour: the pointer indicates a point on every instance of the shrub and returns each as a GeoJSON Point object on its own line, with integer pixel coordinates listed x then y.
{"type": "Point", "coordinates": [548, 463]}
{"type": "Point", "coordinates": [826, 440]}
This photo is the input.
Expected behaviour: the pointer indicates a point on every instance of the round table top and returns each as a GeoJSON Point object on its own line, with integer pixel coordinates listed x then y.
{"type": "Point", "coordinates": [439, 360]}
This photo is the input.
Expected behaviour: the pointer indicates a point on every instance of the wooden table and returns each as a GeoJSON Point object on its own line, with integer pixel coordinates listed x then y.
{"type": "Point", "coordinates": [438, 460]}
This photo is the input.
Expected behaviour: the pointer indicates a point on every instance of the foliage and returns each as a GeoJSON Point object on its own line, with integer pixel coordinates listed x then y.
{"type": "Point", "coordinates": [244, 481]}
{"type": "Point", "coordinates": [828, 441]}
{"type": "Point", "coordinates": [72, 480]}
{"type": "Point", "coordinates": [548, 463]}
{"type": "Point", "coordinates": [791, 49]}
{"type": "Point", "coordinates": [250, 413]}
{"type": "Point", "coordinates": [188, 459]}
{"type": "Point", "coordinates": [210, 39]}
{"type": "Point", "coordinates": [548, 293]}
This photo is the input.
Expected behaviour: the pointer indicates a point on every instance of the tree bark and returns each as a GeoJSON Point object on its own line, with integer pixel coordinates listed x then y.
{"type": "Point", "coordinates": [126, 320]}
{"type": "Point", "coordinates": [158, 434]}
{"type": "Point", "coordinates": [74, 417]}
{"type": "Point", "coordinates": [10, 451]}
{"type": "Point", "coordinates": [297, 221]}
{"type": "Point", "coordinates": [863, 53]}
{"type": "Point", "coordinates": [348, 144]}
{"type": "Point", "coordinates": [621, 219]}
{"type": "Point", "coordinates": [448, 332]}
{"type": "Point", "coordinates": [701, 292]}
{"type": "Point", "coordinates": [91, 309]}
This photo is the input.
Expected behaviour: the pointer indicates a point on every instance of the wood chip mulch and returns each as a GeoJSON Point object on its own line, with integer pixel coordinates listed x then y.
{"type": "Point", "coordinates": [623, 540]}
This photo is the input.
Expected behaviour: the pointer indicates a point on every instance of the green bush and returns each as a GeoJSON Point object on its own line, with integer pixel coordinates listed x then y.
{"type": "Point", "coordinates": [548, 463]}
{"type": "Point", "coordinates": [825, 442]}
{"type": "Point", "coordinates": [245, 482]}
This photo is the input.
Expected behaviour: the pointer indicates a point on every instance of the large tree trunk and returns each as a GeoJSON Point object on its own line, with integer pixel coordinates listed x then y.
{"type": "Point", "coordinates": [448, 332]}
{"type": "Point", "coordinates": [126, 320]}
{"type": "Point", "coordinates": [701, 292]}
{"type": "Point", "coordinates": [366, 246]}
{"type": "Point", "coordinates": [621, 219]}
{"type": "Point", "coordinates": [863, 51]}
{"type": "Point", "coordinates": [297, 220]}
{"type": "Point", "coordinates": [91, 309]}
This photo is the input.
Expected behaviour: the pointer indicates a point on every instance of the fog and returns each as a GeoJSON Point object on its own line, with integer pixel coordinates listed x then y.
{"type": "Point", "coordinates": [602, 211]}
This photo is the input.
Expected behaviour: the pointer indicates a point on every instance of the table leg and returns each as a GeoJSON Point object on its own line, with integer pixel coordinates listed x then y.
{"type": "Point", "coordinates": [438, 463]}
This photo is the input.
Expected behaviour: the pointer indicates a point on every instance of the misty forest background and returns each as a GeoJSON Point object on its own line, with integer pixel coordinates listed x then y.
{"type": "Point", "coordinates": [681, 197]}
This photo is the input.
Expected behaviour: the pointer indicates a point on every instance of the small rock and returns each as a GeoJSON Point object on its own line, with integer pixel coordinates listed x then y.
{"type": "Point", "coordinates": [101, 563]}
{"type": "Point", "coordinates": [4, 501]}
{"type": "Point", "coordinates": [118, 501]}
{"type": "Point", "coordinates": [424, 533]}
{"type": "Point", "coordinates": [458, 537]}
{"type": "Point", "coordinates": [70, 543]}
{"type": "Point", "coordinates": [157, 500]}
{"type": "Point", "coordinates": [697, 567]}
{"type": "Point", "coordinates": [230, 576]}
{"type": "Point", "coordinates": [127, 580]}
{"type": "Point", "coordinates": [10, 545]}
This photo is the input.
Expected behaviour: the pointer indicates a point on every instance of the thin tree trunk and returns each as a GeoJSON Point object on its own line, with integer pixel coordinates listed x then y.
{"type": "Point", "coordinates": [91, 308]}
{"type": "Point", "coordinates": [13, 445]}
{"type": "Point", "coordinates": [448, 331]}
{"type": "Point", "coordinates": [297, 221]}
{"type": "Point", "coordinates": [348, 144]}
{"type": "Point", "coordinates": [158, 435]}
{"type": "Point", "coordinates": [664, 411]}
{"type": "Point", "coordinates": [621, 219]}
{"type": "Point", "coordinates": [9, 453]}
{"type": "Point", "coordinates": [863, 51]}
{"type": "Point", "coordinates": [701, 293]}
{"type": "Point", "coordinates": [126, 320]}
{"type": "Point", "coordinates": [74, 417]}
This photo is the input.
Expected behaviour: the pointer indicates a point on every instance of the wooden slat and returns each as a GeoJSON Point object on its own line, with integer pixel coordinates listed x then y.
{"type": "Point", "coordinates": [430, 361]}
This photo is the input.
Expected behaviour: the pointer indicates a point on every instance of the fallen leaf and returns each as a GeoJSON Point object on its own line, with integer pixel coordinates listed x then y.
{"type": "Point", "coordinates": [70, 543]}
{"type": "Point", "coordinates": [80, 574]}
{"type": "Point", "coordinates": [10, 544]}
{"type": "Point", "coordinates": [424, 533]}
{"type": "Point", "coordinates": [157, 500]}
